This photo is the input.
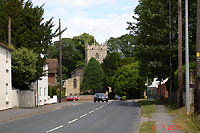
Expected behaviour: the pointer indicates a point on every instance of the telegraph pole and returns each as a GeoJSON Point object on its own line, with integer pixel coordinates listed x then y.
{"type": "Point", "coordinates": [60, 58]}
{"type": "Point", "coordinates": [197, 84]}
{"type": "Point", "coordinates": [187, 60]}
{"type": "Point", "coordinates": [9, 31]}
{"type": "Point", "coordinates": [180, 75]}
{"type": "Point", "coordinates": [170, 57]}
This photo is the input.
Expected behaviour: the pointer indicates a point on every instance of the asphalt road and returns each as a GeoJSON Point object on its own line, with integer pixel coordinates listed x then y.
{"type": "Point", "coordinates": [111, 117]}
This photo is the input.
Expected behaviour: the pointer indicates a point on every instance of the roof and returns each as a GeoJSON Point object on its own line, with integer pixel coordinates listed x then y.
{"type": "Point", "coordinates": [6, 47]}
{"type": "Point", "coordinates": [52, 65]}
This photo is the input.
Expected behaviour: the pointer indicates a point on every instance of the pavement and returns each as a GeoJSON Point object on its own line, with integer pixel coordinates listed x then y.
{"type": "Point", "coordinates": [163, 121]}
{"type": "Point", "coordinates": [20, 113]}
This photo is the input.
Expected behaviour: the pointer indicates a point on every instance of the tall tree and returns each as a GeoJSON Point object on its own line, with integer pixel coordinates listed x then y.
{"type": "Point", "coordinates": [93, 77]}
{"type": "Point", "coordinates": [151, 29]}
{"type": "Point", "coordinates": [29, 29]}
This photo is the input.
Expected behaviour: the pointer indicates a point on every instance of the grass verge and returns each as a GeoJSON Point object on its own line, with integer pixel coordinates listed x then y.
{"type": "Point", "coordinates": [147, 108]}
{"type": "Point", "coordinates": [188, 125]}
{"type": "Point", "coordinates": [146, 127]}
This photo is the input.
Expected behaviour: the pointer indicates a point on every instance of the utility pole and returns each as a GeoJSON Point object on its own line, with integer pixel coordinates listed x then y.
{"type": "Point", "coordinates": [180, 75]}
{"type": "Point", "coordinates": [170, 56]}
{"type": "Point", "coordinates": [60, 58]}
{"type": "Point", "coordinates": [187, 60]}
{"type": "Point", "coordinates": [9, 31]}
{"type": "Point", "coordinates": [197, 84]}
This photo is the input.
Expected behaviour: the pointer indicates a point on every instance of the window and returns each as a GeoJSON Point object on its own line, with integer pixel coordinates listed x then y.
{"type": "Point", "coordinates": [75, 83]}
{"type": "Point", "coordinates": [97, 55]}
{"type": "Point", "coordinates": [44, 91]}
{"type": "Point", "coordinates": [6, 56]}
{"type": "Point", "coordinates": [40, 91]}
{"type": "Point", "coordinates": [7, 101]}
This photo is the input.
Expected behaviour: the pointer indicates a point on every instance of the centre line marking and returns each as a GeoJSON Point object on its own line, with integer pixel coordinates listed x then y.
{"type": "Point", "coordinates": [72, 121]}
{"type": "Point", "coordinates": [97, 109]}
{"type": "Point", "coordinates": [54, 129]}
{"type": "Point", "coordinates": [91, 111]}
{"type": "Point", "coordinates": [83, 115]}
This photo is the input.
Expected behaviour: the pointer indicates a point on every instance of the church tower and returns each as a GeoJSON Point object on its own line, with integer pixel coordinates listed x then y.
{"type": "Point", "coordinates": [99, 52]}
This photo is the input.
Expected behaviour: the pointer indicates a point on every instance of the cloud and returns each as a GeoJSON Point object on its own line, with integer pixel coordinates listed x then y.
{"type": "Point", "coordinates": [108, 17]}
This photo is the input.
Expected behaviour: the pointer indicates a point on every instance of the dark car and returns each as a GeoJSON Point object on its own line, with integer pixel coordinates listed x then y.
{"type": "Point", "coordinates": [100, 97]}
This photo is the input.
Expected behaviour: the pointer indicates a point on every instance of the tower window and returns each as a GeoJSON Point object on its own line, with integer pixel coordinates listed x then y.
{"type": "Point", "coordinates": [97, 55]}
{"type": "Point", "coordinates": [75, 83]}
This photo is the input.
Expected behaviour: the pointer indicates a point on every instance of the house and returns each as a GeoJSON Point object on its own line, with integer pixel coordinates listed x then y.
{"type": "Point", "coordinates": [41, 89]}
{"type": "Point", "coordinates": [157, 90]}
{"type": "Point", "coordinates": [52, 71]}
{"type": "Point", "coordinates": [5, 77]}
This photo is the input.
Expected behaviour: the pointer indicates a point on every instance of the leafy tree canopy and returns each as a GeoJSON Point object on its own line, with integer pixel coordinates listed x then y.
{"type": "Point", "coordinates": [123, 44]}
{"type": "Point", "coordinates": [24, 63]}
{"type": "Point", "coordinates": [93, 77]}
{"type": "Point", "coordinates": [128, 82]}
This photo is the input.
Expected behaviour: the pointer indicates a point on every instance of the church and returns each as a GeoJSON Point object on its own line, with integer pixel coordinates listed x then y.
{"type": "Point", "coordinates": [72, 85]}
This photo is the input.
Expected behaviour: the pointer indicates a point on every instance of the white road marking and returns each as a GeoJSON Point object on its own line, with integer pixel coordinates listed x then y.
{"type": "Point", "coordinates": [83, 115]}
{"type": "Point", "coordinates": [97, 109]}
{"type": "Point", "coordinates": [72, 121]}
{"type": "Point", "coordinates": [54, 129]}
{"type": "Point", "coordinates": [91, 111]}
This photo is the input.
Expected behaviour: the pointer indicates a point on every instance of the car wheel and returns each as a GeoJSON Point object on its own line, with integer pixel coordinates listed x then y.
{"type": "Point", "coordinates": [106, 100]}
{"type": "Point", "coordinates": [94, 101]}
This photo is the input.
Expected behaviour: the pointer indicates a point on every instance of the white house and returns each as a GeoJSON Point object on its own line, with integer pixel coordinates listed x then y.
{"type": "Point", "coordinates": [5, 77]}
{"type": "Point", "coordinates": [41, 89]}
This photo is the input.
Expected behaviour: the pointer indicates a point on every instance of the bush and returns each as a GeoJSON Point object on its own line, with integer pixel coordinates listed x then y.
{"type": "Point", "coordinates": [123, 98]}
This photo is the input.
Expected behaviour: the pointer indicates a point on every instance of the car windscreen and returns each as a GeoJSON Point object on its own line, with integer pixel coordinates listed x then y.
{"type": "Point", "coordinates": [101, 94]}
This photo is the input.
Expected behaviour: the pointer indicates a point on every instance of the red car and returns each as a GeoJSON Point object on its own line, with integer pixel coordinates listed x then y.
{"type": "Point", "coordinates": [72, 98]}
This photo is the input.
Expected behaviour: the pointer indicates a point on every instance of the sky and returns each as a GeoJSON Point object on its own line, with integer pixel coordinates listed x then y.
{"type": "Point", "coordinates": [101, 18]}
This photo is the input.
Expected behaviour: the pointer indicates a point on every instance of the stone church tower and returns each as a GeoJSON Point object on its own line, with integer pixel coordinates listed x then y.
{"type": "Point", "coordinates": [99, 52]}
{"type": "Point", "coordinates": [72, 85]}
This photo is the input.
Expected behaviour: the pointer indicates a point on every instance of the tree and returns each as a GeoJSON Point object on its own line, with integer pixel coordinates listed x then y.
{"type": "Point", "coordinates": [24, 63]}
{"type": "Point", "coordinates": [110, 65]}
{"type": "Point", "coordinates": [93, 77]}
{"type": "Point", "coordinates": [123, 45]}
{"type": "Point", "coordinates": [151, 30]}
{"type": "Point", "coordinates": [73, 51]}
{"type": "Point", "coordinates": [128, 82]}
{"type": "Point", "coordinates": [28, 28]}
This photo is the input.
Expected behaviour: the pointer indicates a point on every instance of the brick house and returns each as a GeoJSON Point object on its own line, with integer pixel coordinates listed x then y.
{"type": "Point", "coordinates": [52, 71]}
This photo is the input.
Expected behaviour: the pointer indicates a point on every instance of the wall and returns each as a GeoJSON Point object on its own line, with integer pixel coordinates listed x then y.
{"type": "Point", "coordinates": [5, 79]}
{"type": "Point", "coordinates": [26, 99]}
{"type": "Point", "coordinates": [70, 90]}
{"type": "Point", "coordinates": [86, 97]}
{"type": "Point", "coordinates": [52, 79]}
{"type": "Point", "coordinates": [15, 98]}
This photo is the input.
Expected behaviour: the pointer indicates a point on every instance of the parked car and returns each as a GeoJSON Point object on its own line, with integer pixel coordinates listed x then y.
{"type": "Point", "coordinates": [100, 97]}
{"type": "Point", "coordinates": [117, 97]}
{"type": "Point", "coordinates": [72, 98]}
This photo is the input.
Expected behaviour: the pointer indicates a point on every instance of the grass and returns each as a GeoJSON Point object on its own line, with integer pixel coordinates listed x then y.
{"type": "Point", "coordinates": [146, 127]}
{"type": "Point", "coordinates": [189, 125]}
{"type": "Point", "coordinates": [147, 108]}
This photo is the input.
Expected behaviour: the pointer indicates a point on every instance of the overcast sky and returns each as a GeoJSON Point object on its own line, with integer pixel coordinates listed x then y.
{"type": "Point", "coordinates": [101, 18]}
